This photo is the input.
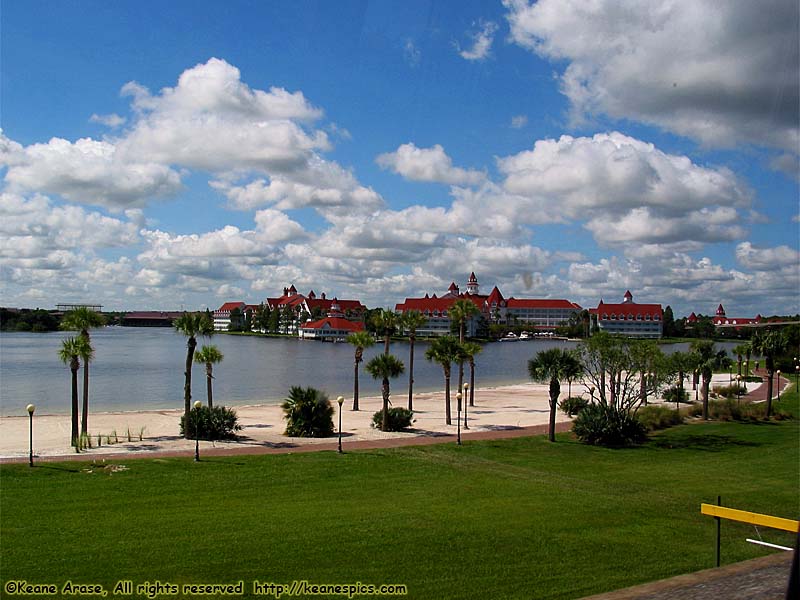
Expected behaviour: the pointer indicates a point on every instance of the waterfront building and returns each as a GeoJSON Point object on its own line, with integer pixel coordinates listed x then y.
{"type": "Point", "coordinates": [544, 314]}
{"type": "Point", "coordinates": [300, 307]}
{"type": "Point", "coordinates": [150, 318]}
{"type": "Point", "coordinates": [222, 316]}
{"type": "Point", "coordinates": [333, 328]}
{"type": "Point", "coordinates": [629, 318]}
{"type": "Point", "coordinates": [722, 320]}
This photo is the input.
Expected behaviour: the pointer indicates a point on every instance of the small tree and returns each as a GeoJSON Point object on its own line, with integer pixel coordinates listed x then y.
{"type": "Point", "coordinates": [191, 325]}
{"type": "Point", "coordinates": [460, 312]}
{"type": "Point", "coordinates": [69, 353]}
{"type": "Point", "coordinates": [471, 350]}
{"type": "Point", "coordinates": [385, 367]}
{"type": "Point", "coordinates": [209, 356]}
{"type": "Point", "coordinates": [83, 319]}
{"type": "Point", "coordinates": [308, 413]}
{"type": "Point", "coordinates": [550, 366]}
{"type": "Point", "coordinates": [361, 340]}
{"type": "Point", "coordinates": [445, 351]}
{"type": "Point", "coordinates": [410, 321]}
{"type": "Point", "coordinates": [385, 322]}
{"type": "Point", "coordinates": [769, 344]}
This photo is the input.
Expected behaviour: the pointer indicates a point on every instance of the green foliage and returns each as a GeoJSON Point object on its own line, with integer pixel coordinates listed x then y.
{"type": "Point", "coordinates": [610, 426]}
{"type": "Point", "coordinates": [573, 405]}
{"type": "Point", "coordinates": [215, 423]}
{"type": "Point", "coordinates": [676, 394]}
{"type": "Point", "coordinates": [655, 417]}
{"type": "Point", "coordinates": [398, 419]}
{"type": "Point", "coordinates": [308, 413]}
{"type": "Point", "coordinates": [731, 410]}
{"type": "Point", "coordinates": [37, 321]}
{"type": "Point", "coordinates": [730, 391]}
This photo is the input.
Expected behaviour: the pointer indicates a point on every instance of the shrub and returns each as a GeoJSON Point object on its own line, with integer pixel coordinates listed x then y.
{"type": "Point", "coordinates": [658, 417]}
{"type": "Point", "coordinates": [216, 423]}
{"type": "Point", "coordinates": [573, 405]}
{"type": "Point", "coordinates": [399, 419]}
{"type": "Point", "coordinates": [729, 391]}
{"type": "Point", "coordinates": [676, 394]}
{"type": "Point", "coordinates": [602, 425]}
{"type": "Point", "coordinates": [308, 413]}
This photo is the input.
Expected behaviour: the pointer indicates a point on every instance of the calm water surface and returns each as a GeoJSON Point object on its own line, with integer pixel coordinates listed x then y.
{"type": "Point", "coordinates": [142, 368]}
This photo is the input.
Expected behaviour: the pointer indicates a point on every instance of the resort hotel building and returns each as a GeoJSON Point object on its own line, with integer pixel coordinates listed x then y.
{"type": "Point", "coordinates": [629, 318]}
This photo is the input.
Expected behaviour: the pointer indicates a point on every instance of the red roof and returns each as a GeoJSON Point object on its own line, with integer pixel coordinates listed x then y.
{"type": "Point", "coordinates": [334, 323]}
{"type": "Point", "coordinates": [325, 305]}
{"type": "Point", "coordinates": [229, 306]}
{"type": "Point", "coordinates": [541, 303]}
{"type": "Point", "coordinates": [623, 310]}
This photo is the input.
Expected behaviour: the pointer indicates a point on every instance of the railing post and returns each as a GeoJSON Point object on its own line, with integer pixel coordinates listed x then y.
{"type": "Point", "coordinates": [719, 503]}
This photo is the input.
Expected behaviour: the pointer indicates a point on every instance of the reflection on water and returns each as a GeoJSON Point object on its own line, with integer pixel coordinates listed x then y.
{"type": "Point", "coordinates": [142, 368]}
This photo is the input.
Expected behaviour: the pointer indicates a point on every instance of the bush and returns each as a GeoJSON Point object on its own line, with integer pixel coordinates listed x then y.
{"type": "Point", "coordinates": [729, 391]}
{"type": "Point", "coordinates": [676, 395]}
{"type": "Point", "coordinates": [308, 413]}
{"type": "Point", "coordinates": [602, 425]}
{"type": "Point", "coordinates": [217, 423]}
{"type": "Point", "coordinates": [658, 417]}
{"type": "Point", "coordinates": [731, 410]}
{"type": "Point", "coordinates": [399, 419]}
{"type": "Point", "coordinates": [573, 405]}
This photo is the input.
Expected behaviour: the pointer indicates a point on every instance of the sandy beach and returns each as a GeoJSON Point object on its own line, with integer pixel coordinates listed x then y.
{"type": "Point", "coordinates": [496, 408]}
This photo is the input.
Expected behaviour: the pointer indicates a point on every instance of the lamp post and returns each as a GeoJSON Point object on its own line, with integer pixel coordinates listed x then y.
{"type": "Point", "coordinates": [778, 373]}
{"type": "Point", "coordinates": [340, 400]}
{"type": "Point", "coordinates": [466, 395]}
{"type": "Point", "coordinates": [197, 406]}
{"type": "Point", "coordinates": [797, 376]}
{"type": "Point", "coordinates": [458, 420]}
{"type": "Point", "coordinates": [738, 390]}
{"type": "Point", "coordinates": [30, 408]}
{"type": "Point", "coordinates": [695, 381]}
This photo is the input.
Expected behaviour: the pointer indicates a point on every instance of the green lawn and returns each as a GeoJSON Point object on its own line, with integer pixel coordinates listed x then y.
{"type": "Point", "coordinates": [517, 518]}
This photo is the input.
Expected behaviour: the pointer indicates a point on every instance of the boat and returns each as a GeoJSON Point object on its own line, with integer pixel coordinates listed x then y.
{"type": "Point", "coordinates": [509, 337]}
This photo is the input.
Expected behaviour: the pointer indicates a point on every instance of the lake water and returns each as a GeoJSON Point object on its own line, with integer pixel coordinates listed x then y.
{"type": "Point", "coordinates": [142, 369]}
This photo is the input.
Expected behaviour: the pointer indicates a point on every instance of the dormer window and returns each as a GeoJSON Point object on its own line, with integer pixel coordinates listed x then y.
{"type": "Point", "coordinates": [630, 317]}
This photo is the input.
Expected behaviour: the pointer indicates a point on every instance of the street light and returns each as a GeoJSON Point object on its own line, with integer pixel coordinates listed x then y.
{"type": "Point", "coordinates": [458, 420]}
{"type": "Point", "coordinates": [466, 395]}
{"type": "Point", "coordinates": [30, 408]}
{"type": "Point", "coordinates": [340, 400]}
{"type": "Point", "coordinates": [738, 390]}
{"type": "Point", "coordinates": [197, 406]}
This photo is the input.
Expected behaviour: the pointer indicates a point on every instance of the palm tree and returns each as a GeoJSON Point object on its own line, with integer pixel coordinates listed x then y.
{"type": "Point", "coordinates": [385, 322]}
{"type": "Point", "coordinates": [739, 351]}
{"type": "Point", "coordinates": [460, 312]}
{"type": "Point", "coordinates": [385, 367]}
{"type": "Point", "coordinates": [71, 350]}
{"type": "Point", "coordinates": [83, 319]}
{"type": "Point", "coordinates": [361, 340]}
{"type": "Point", "coordinates": [191, 325]}
{"type": "Point", "coordinates": [411, 321]}
{"type": "Point", "coordinates": [209, 356]}
{"type": "Point", "coordinates": [445, 350]}
{"type": "Point", "coordinates": [704, 359]}
{"type": "Point", "coordinates": [470, 350]}
{"type": "Point", "coordinates": [552, 366]}
{"type": "Point", "coordinates": [769, 344]}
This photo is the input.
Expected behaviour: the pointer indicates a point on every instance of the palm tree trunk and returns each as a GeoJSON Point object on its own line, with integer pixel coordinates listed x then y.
{"type": "Point", "coordinates": [555, 390]}
{"type": "Point", "coordinates": [386, 344]}
{"type": "Point", "coordinates": [461, 362]}
{"type": "Point", "coordinates": [74, 368]}
{"type": "Point", "coordinates": [770, 374]}
{"type": "Point", "coordinates": [472, 384]}
{"type": "Point", "coordinates": [447, 416]}
{"type": "Point", "coordinates": [411, 373]}
{"type": "Point", "coordinates": [355, 386]}
{"type": "Point", "coordinates": [85, 415]}
{"type": "Point", "coordinates": [187, 386]}
{"type": "Point", "coordinates": [385, 425]}
{"type": "Point", "coordinates": [209, 377]}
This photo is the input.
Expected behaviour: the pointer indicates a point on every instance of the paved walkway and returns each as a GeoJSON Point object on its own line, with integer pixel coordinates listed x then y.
{"type": "Point", "coordinates": [764, 578]}
{"type": "Point", "coordinates": [422, 440]}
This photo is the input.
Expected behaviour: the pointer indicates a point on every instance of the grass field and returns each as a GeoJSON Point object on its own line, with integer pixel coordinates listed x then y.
{"type": "Point", "coordinates": [518, 518]}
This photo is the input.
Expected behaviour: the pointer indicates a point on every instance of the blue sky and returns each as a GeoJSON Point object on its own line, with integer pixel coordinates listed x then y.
{"type": "Point", "coordinates": [182, 154]}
